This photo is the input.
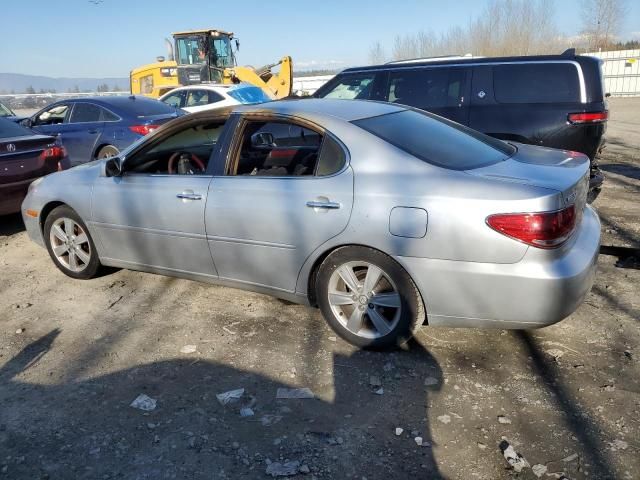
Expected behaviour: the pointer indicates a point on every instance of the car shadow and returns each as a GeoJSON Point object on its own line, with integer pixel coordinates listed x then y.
{"type": "Point", "coordinates": [86, 428]}
{"type": "Point", "coordinates": [11, 224]}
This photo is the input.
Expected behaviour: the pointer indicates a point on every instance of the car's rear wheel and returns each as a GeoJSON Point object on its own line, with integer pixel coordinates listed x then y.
{"type": "Point", "coordinates": [70, 244]}
{"type": "Point", "coordinates": [108, 151]}
{"type": "Point", "coordinates": [368, 298]}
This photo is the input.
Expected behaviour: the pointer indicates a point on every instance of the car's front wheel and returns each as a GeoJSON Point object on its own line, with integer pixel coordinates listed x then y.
{"type": "Point", "coordinates": [368, 298]}
{"type": "Point", "coordinates": [70, 244]}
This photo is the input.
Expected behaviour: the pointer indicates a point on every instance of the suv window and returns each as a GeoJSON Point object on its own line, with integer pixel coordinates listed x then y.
{"type": "Point", "coordinates": [85, 112]}
{"type": "Point", "coordinates": [536, 83]}
{"type": "Point", "coordinates": [175, 99]}
{"type": "Point", "coordinates": [278, 149]}
{"type": "Point", "coordinates": [436, 140]}
{"type": "Point", "coordinates": [350, 87]}
{"type": "Point", "coordinates": [427, 88]}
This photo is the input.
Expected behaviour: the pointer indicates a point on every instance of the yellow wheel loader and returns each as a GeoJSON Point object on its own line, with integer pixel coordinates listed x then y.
{"type": "Point", "coordinates": [207, 56]}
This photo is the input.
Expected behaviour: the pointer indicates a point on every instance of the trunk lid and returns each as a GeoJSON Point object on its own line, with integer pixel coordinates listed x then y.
{"type": "Point", "coordinates": [560, 170]}
{"type": "Point", "coordinates": [21, 158]}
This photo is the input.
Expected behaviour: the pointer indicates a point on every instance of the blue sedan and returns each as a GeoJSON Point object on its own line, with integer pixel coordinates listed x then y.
{"type": "Point", "coordinates": [100, 127]}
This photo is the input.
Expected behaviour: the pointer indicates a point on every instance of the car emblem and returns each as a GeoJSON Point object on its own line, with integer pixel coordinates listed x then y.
{"type": "Point", "coordinates": [481, 94]}
{"type": "Point", "coordinates": [11, 147]}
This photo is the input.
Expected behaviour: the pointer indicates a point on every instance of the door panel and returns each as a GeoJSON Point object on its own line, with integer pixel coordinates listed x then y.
{"type": "Point", "coordinates": [154, 220]}
{"type": "Point", "coordinates": [260, 229]}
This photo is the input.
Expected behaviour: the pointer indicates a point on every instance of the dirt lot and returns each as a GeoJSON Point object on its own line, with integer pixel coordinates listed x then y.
{"type": "Point", "coordinates": [74, 355]}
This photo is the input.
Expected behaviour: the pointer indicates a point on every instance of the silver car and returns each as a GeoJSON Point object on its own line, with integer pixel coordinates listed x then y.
{"type": "Point", "coordinates": [383, 216]}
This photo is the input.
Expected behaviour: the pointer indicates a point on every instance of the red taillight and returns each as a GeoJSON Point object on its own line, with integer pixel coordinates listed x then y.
{"type": "Point", "coordinates": [593, 117]}
{"type": "Point", "coordinates": [143, 129]}
{"type": "Point", "coordinates": [542, 230]}
{"type": "Point", "coordinates": [55, 153]}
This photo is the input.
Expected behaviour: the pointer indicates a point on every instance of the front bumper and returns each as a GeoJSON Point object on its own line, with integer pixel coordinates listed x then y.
{"type": "Point", "coordinates": [543, 288]}
{"type": "Point", "coordinates": [32, 225]}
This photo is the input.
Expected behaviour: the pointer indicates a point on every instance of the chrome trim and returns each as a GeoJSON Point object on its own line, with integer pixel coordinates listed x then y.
{"type": "Point", "coordinates": [247, 241]}
{"type": "Point", "coordinates": [327, 205]}
{"type": "Point", "coordinates": [14, 153]}
{"type": "Point", "coordinates": [189, 196]}
{"type": "Point", "coordinates": [583, 88]}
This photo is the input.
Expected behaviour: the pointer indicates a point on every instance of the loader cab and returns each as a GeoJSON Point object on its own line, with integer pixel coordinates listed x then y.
{"type": "Point", "coordinates": [202, 56]}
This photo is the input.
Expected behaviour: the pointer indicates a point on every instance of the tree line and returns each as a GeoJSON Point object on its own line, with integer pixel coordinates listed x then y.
{"type": "Point", "coordinates": [514, 27]}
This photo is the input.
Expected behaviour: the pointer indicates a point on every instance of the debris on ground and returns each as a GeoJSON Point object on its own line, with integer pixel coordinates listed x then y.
{"type": "Point", "coordinates": [517, 461]}
{"type": "Point", "coordinates": [144, 402]}
{"type": "Point", "coordinates": [246, 412]}
{"type": "Point", "coordinates": [268, 420]}
{"type": "Point", "coordinates": [430, 381]}
{"type": "Point", "coordinates": [504, 420]}
{"type": "Point", "coordinates": [570, 458]}
{"type": "Point", "coordinates": [294, 393]}
{"type": "Point", "coordinates": [229, 397]}
{"type": "Point", "coordinates": [19, 331]}
{"type": "Point", "coordinates": [418, 441]}
{"type": "Point", "coordinates": [444, 419]}
{"type": "Point", "coordinates": [379, 391]}
{"type": "Point", "coordinates": [286, 469]}
{"type": "Point", "coordinates": [399, 431]}
{"type": "Point", "coordinates": [539, 470]}
{"type": "Point", "coordinates": [619, 445]}
{"type": "Point", "coordinates": [188, 349]}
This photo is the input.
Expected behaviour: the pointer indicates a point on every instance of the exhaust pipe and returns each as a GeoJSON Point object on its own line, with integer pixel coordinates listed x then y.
{"type": "Point", "coordinates": [169, 46]}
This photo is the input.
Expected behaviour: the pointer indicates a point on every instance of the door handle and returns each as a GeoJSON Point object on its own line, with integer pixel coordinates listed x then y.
{"type": "Point", "coordinates": [189, 196]}
{"type": "Point", "coordinates": [328, 205]}
{"type": "Point", "coordinates": [93, 130]}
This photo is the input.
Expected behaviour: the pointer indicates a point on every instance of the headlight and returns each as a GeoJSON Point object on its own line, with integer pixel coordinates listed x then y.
{"type": "Point", "coordinates": [35, 183]}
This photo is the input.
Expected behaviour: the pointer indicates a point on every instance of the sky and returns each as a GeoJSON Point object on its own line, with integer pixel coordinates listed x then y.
{"type": "Point", "coordinates": [107, 38]}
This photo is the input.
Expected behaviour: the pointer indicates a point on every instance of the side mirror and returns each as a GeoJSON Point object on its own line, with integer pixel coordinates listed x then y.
{"type": "Point", "coordinates": [263, 140]}
{"type": "Point", "coordinates": [26, 122]}
{"type": "Point", "coordinates": [111, 167]}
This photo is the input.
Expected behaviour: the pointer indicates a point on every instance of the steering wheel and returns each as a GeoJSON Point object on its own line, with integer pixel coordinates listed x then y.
{"type": "Point", "coordinates": [194, 160]}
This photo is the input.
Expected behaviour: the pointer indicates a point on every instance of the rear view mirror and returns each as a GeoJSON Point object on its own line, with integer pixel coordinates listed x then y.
{"type": "Point", "coordinates": [263, 140]}
{"type": "Point", "coordinates": [111, 167]}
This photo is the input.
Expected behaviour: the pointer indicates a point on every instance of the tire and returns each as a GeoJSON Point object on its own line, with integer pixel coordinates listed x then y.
{"type": "Point", "coordinates": [74, 255]}
{"type": "Point", "coordinates": [386, 316]}
{"type": "Point", "coordinates": [108, 151]}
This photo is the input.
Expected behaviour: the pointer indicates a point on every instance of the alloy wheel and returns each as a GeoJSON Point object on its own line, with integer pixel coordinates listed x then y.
{"type": "Point", "coordinates": [70, 244]}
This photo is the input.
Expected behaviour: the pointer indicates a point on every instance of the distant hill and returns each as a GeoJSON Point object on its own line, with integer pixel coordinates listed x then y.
{"type": "Point", "coordinates": [19, 83]}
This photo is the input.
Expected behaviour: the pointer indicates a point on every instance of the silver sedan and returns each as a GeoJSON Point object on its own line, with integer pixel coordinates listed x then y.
{"type": "Point", "coordinates": [383, 216]}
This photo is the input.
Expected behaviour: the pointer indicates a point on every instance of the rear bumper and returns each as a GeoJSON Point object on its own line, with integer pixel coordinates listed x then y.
{"type": "Point", "coordinates": [541, 289]}
{"type": "Point", "coordinates": [12, 195]}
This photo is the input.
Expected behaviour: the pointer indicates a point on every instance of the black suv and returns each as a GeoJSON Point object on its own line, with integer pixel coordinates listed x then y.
{"type": "Point", "coordinates": [553, 100]}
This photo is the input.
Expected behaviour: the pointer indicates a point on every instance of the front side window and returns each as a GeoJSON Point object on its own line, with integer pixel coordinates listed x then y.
{"type": "Point", "coordinates": [191, 51]}
{"type": "Point", "coordinates": [277, 149]}
{"type": "Point", "coordinates": [85, 112]}
{"type": "Point", "coordinates": [186, 152]}
{"type": "Point", "coordinates": [53, 116]}
{"type": "Point", "coordinates": [436, 140]}
{"type": "Point", "coordinates": [427, 88]}
{"type": "Point", "coordinates": [220, 52]}
{"type": "Point", "coordinates": [5, 111]}
{"type": "Point", "coordinates": [350, 87]}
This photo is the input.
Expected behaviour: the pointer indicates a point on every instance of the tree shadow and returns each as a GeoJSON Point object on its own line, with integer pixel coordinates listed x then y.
{"type": "Point", "coordinates": [87, 429]}
{"type": "Point", "coordinates": [581, 426]}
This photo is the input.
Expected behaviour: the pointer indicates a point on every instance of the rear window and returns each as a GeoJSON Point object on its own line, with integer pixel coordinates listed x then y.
{"type": "Point", "coordinates": [436, 140]}
{"type": "Point", "coordinates": [10, 129]}
{"type": "Point", "coordinates": [536, 83]}
{"type": "Point", "coordinates": [147, 107]}
{"type": "Point", "coordinates": [249, 95]}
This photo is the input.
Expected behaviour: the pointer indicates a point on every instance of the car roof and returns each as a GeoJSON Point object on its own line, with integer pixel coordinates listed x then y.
{"type": "Point", "coordinates": [120, 101]}
{"type": "Point", "coordinates": [311, 108]}
{"type": "Point", "coordinates": [569, 55]}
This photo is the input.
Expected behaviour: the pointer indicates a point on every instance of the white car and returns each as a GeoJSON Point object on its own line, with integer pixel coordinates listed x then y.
{"type": "Point", "coordinates": [195, 98]}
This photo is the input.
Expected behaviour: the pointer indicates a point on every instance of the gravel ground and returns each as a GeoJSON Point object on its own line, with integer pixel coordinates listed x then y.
{"type": "Point", "coordinates": [74, 355]}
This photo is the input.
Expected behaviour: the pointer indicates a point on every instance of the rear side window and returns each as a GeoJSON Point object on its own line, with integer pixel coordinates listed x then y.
{"type": "Point", "coordinates": [85, 112]}
{"type": "Point", "coordinates": [536, 83]}
{"type": "Point", "coordinates": [351, 87]}
{"type": "Point", "coordinates": [427, 88]}
{"type": "Point", "coordinates": [436, 140]}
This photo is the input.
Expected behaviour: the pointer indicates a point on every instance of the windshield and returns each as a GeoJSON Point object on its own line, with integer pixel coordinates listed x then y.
{"type": "Point", "coordinates": [249, 95]}
{"type": "Point", "coordinates": [5, 111]}
{"type": "Point", "coordinates": [436, 140]}
{"type": "Point", "coordinates": [193, 51]}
